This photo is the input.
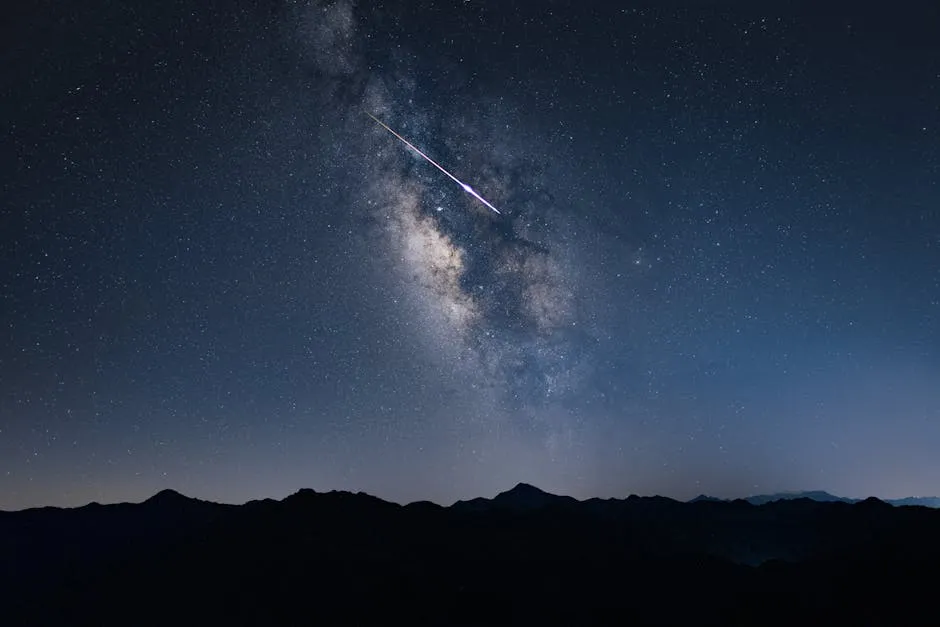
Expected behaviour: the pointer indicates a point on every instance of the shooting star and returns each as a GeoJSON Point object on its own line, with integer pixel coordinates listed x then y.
{"type": "Point", "coordinates": [465, 187]}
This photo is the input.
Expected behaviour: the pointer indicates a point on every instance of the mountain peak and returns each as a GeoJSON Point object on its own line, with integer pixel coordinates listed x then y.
{"type": "Point", "coordinates": [874, 502]}
{"type": "Point", "coordinates": [168, 496]}
{"type": "Point", "coordinates": [304, 493]}
{"type": "Point", "coordinates": [706, 498]}
{"type": "Point", "coordinates": [526, 496]}
{"type": "Point", "coordinates": [524, 488]}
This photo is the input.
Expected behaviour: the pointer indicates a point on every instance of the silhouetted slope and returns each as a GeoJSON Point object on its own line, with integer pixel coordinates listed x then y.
{"type": "Point", "coordinates": [523, 557]}
{"type": "Point", "coordinates": [47, 546]}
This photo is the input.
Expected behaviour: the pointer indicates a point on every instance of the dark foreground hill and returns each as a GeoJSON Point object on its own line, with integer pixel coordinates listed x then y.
{"type": "Point", "coordinates": [525, 557]}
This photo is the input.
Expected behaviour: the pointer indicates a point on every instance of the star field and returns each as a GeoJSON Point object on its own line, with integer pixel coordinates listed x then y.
{"type": "Point", "coordinates": [717, 269]}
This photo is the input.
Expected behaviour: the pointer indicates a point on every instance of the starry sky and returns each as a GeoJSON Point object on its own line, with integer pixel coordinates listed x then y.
{"type": "Point", "coordinates": [716, 270]}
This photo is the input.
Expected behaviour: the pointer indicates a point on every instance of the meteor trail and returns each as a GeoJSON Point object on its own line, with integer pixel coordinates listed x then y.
{"type": "Point", "coordinates": [465, 187]}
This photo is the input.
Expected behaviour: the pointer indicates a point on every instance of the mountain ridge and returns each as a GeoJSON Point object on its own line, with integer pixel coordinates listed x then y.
{"type": "Point", "coordinates": [369, 559]}
{"type": "Point", "coordinates": [521, 496]}
{"type": "Point", "coordinates": [825, 497]}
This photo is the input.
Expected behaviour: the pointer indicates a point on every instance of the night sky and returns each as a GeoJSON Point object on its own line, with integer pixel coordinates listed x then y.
{"type": "Point", "coordinates": [717, 267]}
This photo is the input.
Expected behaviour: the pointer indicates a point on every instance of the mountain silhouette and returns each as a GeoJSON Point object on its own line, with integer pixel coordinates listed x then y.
{"type": "Point", "coordinates": [524, 556]}
{"type": "Point", "coordinates": [814, 495]}
{"type": "Point", "coordinates": [826, 497]}
{"type": "Point", "coordinates": [921, 501]}
{"type": "Point", "coordinates": [170, 498]}
{"type": "Point", "coordinates": [522, 497]}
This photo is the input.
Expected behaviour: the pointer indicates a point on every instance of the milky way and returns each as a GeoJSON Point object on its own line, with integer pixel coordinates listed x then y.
{"type": "Point", "coordinates": [498, 296]}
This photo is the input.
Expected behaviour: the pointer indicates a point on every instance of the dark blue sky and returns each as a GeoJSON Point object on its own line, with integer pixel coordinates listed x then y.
{"type": "Point", "coordinates": [717, 268]}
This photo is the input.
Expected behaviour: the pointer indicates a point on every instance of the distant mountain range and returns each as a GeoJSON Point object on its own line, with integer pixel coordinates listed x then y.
{"type": "Point", "coordinates": [825, 497]}
{"type": "Point", "coordinates": [524, 556]}
{"type": "Point", "coordinates": [525, 496]}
